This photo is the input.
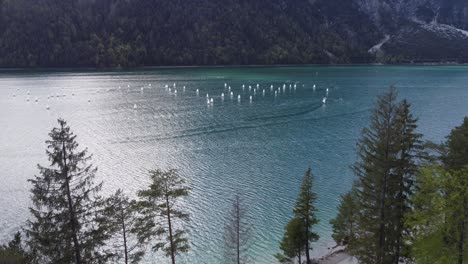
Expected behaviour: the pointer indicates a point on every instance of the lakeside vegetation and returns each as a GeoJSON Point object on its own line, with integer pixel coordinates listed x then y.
{"type": "Point", "coordinates": [409, 203]}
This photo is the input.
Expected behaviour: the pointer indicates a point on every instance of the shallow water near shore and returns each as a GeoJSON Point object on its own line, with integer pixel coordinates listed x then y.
{"type": "Point", "coordinates": [259, 148]}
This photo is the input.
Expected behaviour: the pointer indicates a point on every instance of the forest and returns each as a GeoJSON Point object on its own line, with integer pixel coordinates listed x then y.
{"type": "Point", "coordinates": [409, 203]}
{"type": "Point", "coordinates": [122, 33]}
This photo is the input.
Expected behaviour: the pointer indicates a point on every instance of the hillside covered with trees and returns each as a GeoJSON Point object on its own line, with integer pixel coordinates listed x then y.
{"type": "Point", "coordinates": [127, 33]}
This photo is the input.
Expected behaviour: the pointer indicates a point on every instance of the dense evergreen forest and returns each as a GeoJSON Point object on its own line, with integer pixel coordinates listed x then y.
{"type": "Point", "coordinates": [409, 204]}
{"type": "Point", "coordinates": [112, 33]}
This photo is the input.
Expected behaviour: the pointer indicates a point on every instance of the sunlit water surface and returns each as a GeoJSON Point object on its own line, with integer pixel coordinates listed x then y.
{"type": "Point", "coordinates": [259, 149]}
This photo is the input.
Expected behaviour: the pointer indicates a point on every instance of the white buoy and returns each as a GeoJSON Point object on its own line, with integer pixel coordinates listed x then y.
{"type": "Point", "coordinates": [327, 91]}
{"type": "Point", "coordinates": [174, 85]}
{"type": "Point", "coordinates": [198, 91]}
{"type": "Point", "coordinates": [232, 95]}
{"type": "Point", "coordinates": [314, 87]}
{"type": "Point", "coordinates": [243, 86]}
{"type": "Point", "coordinates": [211, 100]}
{"type": "Point", "coordinates": [175, 91]}
{"type": "Point", "coordinates": [255, 91]}
{"type": "Point", "coordinates": [225, 85]}
{"type": "Point", "coordinates": [258, 86]}
{"type": "Point", "coordinates": [207, 95]}
{"type": "Point", "coordinates": [324, 100]}
{"type": "Point", "coordinates": [207, 100]}
{"type": "Point", "coordinates": [276, 93]}
{"type": "Point", "coordinates": [135, 106]}
{"type": "Point", "coordinates": [271, 87]}
{"type": "Point", "coordinates": [229, 89]}
{"type": "Point", "coordinates": [142, 89]}
{"type": "Point", "coordinates": [166, 86]}
{"type": "Point", "coordinates": [263, 92]}
{"type": "Point", "coordinates": [183, 89]}
{"type": "Point", "coordinates": [128, 85]}
{"type": "Point", "coordinates": [222, 95]}
{"type": "Point", "coordinates": [149, 84]}
{"type": "Point", "coordinates": [238, 97]}
{"type": "Point", "coordinates": [250, 98]}
{"type": "Point", "coordinates": [250, 88]}
{"type": "Point", "coordinates": [170, 90]}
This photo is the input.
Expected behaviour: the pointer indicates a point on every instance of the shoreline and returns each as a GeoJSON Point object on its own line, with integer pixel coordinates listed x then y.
{"type": "Point", "coordinates": [117, 69]}
{"type": "Point", "coordinates": [336, 255]}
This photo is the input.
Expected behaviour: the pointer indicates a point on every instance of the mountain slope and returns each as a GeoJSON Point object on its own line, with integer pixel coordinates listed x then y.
{"type": "Point", "coordinates": [103, 33]}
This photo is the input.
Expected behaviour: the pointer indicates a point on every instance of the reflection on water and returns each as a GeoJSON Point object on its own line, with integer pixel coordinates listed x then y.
{"type": "Point", "coordinates": [138, 120]}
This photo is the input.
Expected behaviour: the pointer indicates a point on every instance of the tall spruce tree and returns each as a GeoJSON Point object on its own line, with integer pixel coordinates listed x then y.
{"type": "Point", "coordinates": [305, 211]}
{"type": "Point", "coordinates": [236, 234]}
{"type": "Point", "coordinates": [122, 217]}
{"type": "Point", "coordinates": [293, 243]}
{"type": "Point", "coordinates": [388, 154]}
{"type": "Point", "coordinates": [345, 223]}
{"type": "Point", "coordinates": [67, 224]}
{"type": "Point", "coordinates": [163, 213]}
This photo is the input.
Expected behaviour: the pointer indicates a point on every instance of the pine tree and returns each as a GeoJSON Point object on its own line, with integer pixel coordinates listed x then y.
{"type": "Point", "coordinates": [409, 151]}
{"type": "Point", "coordinates": [345, 223]}
{"type": "Point", "coordinates": [293, 243]}
{"type": "Point", "coordinates": [161, 203]}
{"type": "Point", "coordinates": [122, 215]}
{"type": "Point", "coordinates": [305, 211]}
{"type": "Point", "coordinates": [236, 234]}
{"type": "Point", "coordinates": [388, 153]}
{"type": "Point", "coordinates": [13, 252]}
{"type": "Point", "coordinates": [67, 224]}
{"type": "Point", "coordinates": [456, 156]}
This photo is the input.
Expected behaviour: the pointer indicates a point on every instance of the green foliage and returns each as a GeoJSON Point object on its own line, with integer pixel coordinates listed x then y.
{"type": "Point", "coordinates": [457, 147]}
{"type": "Point", "coordinates": [440, 205]}
{"type": "Point", "coordinates": [67, 225]}
{"type": "Point", "coordinates": [120, 33]}
{"type": "Point", "coordinates": [293, 242]}
{"type": "Point", "coordinates": [163, 214]}
{"type": "Point", "coordinates": [388, 153]}
{"type": "Point", "coordinates": [304, 213]}
{"type": "Point", "coordinates": [13, 253]}
{"type": "Point", "coordinates": [345, 223]}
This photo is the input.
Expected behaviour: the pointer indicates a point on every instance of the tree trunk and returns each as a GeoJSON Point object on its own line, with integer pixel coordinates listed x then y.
{"type": "Point", "coordinates": [461, 242]}
{"type": "Point", "coordinates": [238, 230]}
{"type": "Point", "coordinates": [170, 228]}
{"type": "Point", "coordinates": [70, 206]}
{"type": "Point", "coordinates": [124, 230]}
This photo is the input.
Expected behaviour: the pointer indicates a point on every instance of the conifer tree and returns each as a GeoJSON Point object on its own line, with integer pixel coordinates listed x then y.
{"type": "Point", "coordinates": [67, 224]}
{"type": "Point", "coordinates": [388, 155]}
{"type": "Point", "coordinates": [345, 223]}
{"type": "Point", "coordinates": [163, 214]}
{"type": "Point", "coordinates": [293, 243]}
{"type": "Point", "coordinates": [305, 211]}
{"type": "Point", "coordinates": [236, 234]}
{"type": "Point", "coordinates": [122, 215]}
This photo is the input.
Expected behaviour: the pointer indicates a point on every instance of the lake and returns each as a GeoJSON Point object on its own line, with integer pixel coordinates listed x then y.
{"type": "Point", "coordinates": [259, 148]}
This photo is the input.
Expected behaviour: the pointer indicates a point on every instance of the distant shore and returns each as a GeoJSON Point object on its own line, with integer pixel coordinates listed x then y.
{"type": "Point", "coordinates": [226, 66]}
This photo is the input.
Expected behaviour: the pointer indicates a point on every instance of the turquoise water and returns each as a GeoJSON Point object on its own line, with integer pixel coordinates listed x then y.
{"type": "Point", "coordinates": [259, 149]}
